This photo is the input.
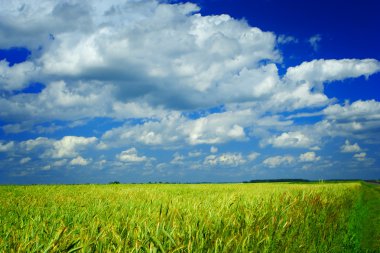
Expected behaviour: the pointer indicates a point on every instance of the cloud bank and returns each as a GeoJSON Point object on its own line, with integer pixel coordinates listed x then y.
{"type": "Point", "coordinates": [170, 78]}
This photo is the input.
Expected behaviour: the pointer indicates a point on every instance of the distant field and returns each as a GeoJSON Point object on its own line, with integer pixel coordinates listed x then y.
{"type": "Point", "coordinates": [267, 217]}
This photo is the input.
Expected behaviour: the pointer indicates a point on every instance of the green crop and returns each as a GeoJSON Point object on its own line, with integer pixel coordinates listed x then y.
{"type": "Point", "coordinates": [268, 217]}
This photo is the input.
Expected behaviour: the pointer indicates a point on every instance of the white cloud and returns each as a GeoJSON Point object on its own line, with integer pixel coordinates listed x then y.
{"type": "Point", "coordinates": [361, 156]}
{"type": "Point", "coordinates": [291, 140]}
{"type": "Point", "coordinates": [213, 149]}
{"type": "Point", "coordinates": [319, 71]}
{"type": "Point", "coordinates": [46, 167]}
{"type": "Point", "coordinates": [25, 23]}
{"type": "Point", "coordinates": [235, 124]}
{"type": "Point", "coordinates": [128, 46]}
{"type": "Point", "coordinates": [314, 41]}
{"type": "Point", "coordinates": [59, 163]}
{"type": "Point", "coordinates": [216, 128]}
{"type": "Point", "coordinates": [17, 76]}
{"type": "Point", "coordinates": [276, 161]}
{"type": "Point", "coordinates": [69, 146]}
{"type": "Point", "coordinates": [347, 147]}
{"type": "Point", "coordinates": [79, 161]}
{"type": "Point", "coordinates": [293, 96]}
{"type": "Point", "coordinates": [194, 153]}
{"type": "Point", "coordinates": [25, 160]}
{"type": "Point", "coordinates": [102, 162]}
{"type": "Point", "coordinates": [118, 60]}
{"type": "Point", "coordinates": [225, 159]}
{"type": "Point", "coordinates": [252, 156]}
{"type": "Point", "coordinates": [177, 159]}
{"type": "Point", "coordinates": [177, 129]}
{"type": "Point", "coordinates": [6, 146]}
{"type": "Point", "coordinates": [15, 128]}
{"type": "Point", "coordinates": [59, 101]}
{"type": "Point", "coordinates": [360, 119]}
{"type": "Point", "coordinates": [131, 155]}
{"type": "Point", "coordinates": [309, 157]}
{"type": "Point", "coordinates": [166, 131]}
{"type": "Point", "coordinates": [368, 110]}
{"type": "Point", "coordinates": [212, 50]}
{"type": "Point", "coordinates": [31, 144]}
{"type": "Point", "coordinates": [284, 39]}
{"type": "Point", "coordinates": [211, 160]}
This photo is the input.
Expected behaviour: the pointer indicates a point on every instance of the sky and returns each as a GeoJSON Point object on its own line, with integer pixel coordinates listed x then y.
{"type": "Point", "coordinates": [198, 91]}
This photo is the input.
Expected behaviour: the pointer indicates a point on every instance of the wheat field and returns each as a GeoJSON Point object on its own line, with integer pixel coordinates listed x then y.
{"type": "Point", "coordinates": [265, 217]}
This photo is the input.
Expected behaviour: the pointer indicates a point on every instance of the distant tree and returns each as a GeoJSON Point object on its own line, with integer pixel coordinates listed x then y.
{"type": "Point", "coordinates": [114, 182]}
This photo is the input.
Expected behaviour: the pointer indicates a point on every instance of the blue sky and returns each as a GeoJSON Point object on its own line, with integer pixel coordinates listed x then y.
{"type": "Point", "coordinates": [175, 91]}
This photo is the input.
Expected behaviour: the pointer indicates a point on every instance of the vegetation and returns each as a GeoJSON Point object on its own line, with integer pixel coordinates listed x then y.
{"type": "Point", "coordinates": [371, 220]}
{"type": "Point", "coordinates": [266, 217]}
{"type": "Point", "coordinates": [281, 180]}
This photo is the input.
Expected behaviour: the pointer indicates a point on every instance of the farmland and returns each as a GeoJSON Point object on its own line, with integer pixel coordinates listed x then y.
{"type": "Point", "coordinates": [265, 217]}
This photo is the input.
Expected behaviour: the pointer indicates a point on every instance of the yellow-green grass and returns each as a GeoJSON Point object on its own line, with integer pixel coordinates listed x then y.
{"type": "Point", "coordinates": [268, 217]}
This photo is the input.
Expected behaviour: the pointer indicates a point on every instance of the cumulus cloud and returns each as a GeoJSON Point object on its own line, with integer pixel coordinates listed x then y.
{"type": "Point", "coordinates": [347, 147]}
{"type": "Point", "coordinates": [102, 162]}
{"type": "Point", "coordinates": [360, 119]}
{"type": "Point", "coordinates": [284, 39]}
{"type": "Point", "coordinates": [25, 23]}
{"type": "Point", "coordinates": [117, 60]}
{"type": "Point", "coordinates": [361, 156]}
{"type": "Point", "coordinates": [6, 146]}
{"type": "Point", "coordinates": [314, 41]}
{"type": "Point", "coordinates": [60, 163]}
{"type": "Point", "coordinates": [121, 62]}
{"type": "Point", "coordinates": [69, 146]}
{"type": "Point", "coordinates": [46, 168]}
{"type": "Point", "coordinates": [225, 159]}
{"type": "Point", "coordinates": [320, 71]}
{"type": "Point", "coordinates": [177, 129]}
{"type": "Point", "coordinates": [131, 156]}
{"type": "Point", "coordinates": [360, 110]}
{"type": "Point", "coordinates": [252, 156]}
{"type": "Point", "coordinates": [291, 140]}
{"type": "Point", "coordinates": [115, 39]}
{"type": "Point", "coordinates": [213, 149]}
{"type": "Point", "coordinates": [309, 157]}
{"type": "Point", "coordinates": [213, 129]}
{"type": "Point", "coordinates": [291, 96]}
{"type": "Point", "coordinates": [276, 161]}
{"type": "Point", "coordinates": [177, 159]}
{"type": "Point", "coordinates": [80, 161]}
{"type": "Point", "coordinates": [16, 77]}
{"type": "Point", "coordinates": [31, 144]}
{"type": "Point", "coordinates": [212, 65]}
{"type": "Point", "coordinates": [15, 128]}
{"type": "Point", "coordinates": [194, 153]}
{"type": "Point", "coordinates": [25, 160]}
{"type": "Point", "coordinates": [59, 101]}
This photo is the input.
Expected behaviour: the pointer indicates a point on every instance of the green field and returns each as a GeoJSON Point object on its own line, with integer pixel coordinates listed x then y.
{"type": "Point", "coordinates": [267, 217]}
